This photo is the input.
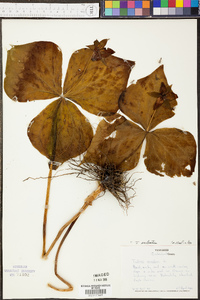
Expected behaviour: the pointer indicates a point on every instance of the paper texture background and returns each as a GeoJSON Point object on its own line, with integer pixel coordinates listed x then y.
{"type": "Point", "coordinates": [164, 209]}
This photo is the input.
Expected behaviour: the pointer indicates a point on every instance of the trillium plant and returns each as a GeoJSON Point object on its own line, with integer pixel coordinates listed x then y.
{"type": "Point", "coordinates": [96, 80]}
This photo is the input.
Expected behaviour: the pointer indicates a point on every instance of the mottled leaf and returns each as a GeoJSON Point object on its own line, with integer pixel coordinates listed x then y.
{"type": "Point", "coordinates": [95, 84]}
{"type": "Point", "coordinates": [60, 131]}
{"type": "Point", "coordinates": [33, 72]}
{"type": "Point", "coordinates": [118, 143]}
{"type": "Point", "coordinates": [170, 151]}
{"type": "Point", "coordinates": [149, 101]}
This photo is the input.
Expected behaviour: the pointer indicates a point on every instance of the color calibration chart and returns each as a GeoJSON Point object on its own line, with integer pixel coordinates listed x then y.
{"type": "Point", "coordinates": [127, 8]}
{"type": "Point", "coordinates": [176, 7]}
{"type": "Point", "coordinates": [150, 8]}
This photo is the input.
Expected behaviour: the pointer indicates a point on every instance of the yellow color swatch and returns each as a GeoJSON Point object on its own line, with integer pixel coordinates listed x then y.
{"type": "Point", "coordinates": [179, 3]}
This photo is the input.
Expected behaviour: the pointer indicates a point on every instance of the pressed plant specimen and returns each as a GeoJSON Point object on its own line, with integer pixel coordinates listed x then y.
{"type": "Point", "coordinates": [97, 81]}
{"type": "Point", "coordinates": [116, 146]}
{"type": "Point", "coordinates": [94, 80]}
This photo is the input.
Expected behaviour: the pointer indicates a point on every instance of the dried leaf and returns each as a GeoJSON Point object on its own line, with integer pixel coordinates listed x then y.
{"type": "Point", "coordinates": [95, 78]}
{"type": "Point", "coordinates": [121, 150]}
{"type": "Point", "coordinates": [94, 84]}
{"type": "Point", "coordinates": [129, 141]}
{"type": "Point", "coordinates": [60, 131]}
{"type": "Point", "coordinates": [150, 101]}
{"type": "Point", "coordinates": [96, 152]}
{"type": "Point", "coordinates": [33, 72]}
{"type": "Point", "coordinates": [170, 151]}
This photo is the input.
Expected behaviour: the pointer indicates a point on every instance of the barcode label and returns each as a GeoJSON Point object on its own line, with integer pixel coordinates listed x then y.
{"type": "Point", "coordinates": [102, 291]}
{"type": "Point", "coordinates": [95, 290]}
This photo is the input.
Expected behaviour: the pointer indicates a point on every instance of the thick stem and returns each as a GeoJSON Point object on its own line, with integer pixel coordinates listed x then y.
{"type": "Point", "coordinates": [70, 287]}
{"type": "Point", "coordinates": [46, 209]}
{"type": "Point", "coordinates": [88, 201]}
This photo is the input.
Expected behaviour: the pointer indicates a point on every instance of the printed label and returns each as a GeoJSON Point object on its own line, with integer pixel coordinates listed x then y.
{"type": "Point", "coordinates": [95, 290]}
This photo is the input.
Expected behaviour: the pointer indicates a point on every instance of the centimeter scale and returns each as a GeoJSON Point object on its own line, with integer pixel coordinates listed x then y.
{"type": "Point", "coordinates": [49, 10]}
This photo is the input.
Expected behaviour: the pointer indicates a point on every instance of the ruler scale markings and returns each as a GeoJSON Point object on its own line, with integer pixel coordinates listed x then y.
{"type": "Point", "coordinates": [49, 10]}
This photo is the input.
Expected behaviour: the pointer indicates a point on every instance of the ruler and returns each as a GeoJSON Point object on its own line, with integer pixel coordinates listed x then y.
{"type": "Point", "coordinates": [49, 10]}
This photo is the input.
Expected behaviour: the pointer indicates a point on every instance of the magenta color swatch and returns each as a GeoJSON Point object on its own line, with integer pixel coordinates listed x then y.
{"type": "Point", "coordinates": [186, 3]}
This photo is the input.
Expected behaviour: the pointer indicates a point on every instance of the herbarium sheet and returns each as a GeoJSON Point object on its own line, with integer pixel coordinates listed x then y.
{"type": "Point", "coordinates": [99, 158]}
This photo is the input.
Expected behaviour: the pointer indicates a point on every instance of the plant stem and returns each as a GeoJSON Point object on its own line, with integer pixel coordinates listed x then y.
{"type": "Point", "coordinates": [71, 222]}
{"type": "Point", "coordinates": [46, 209]}
{"type": "Point", "coordinates": [88, 201]}
{"type": "Point", "coordinates": [70, 287]}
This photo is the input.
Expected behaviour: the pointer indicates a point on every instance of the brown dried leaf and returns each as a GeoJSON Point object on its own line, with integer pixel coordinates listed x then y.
{"type": "Point", "coordinates": [150, 101]}
{"type": "Point", "coordinates": [60, 131]}
{"type": "Point", "coordinates": [33, 72]}
{"type": "Point", "coordinates": [170, 151]}
{"type": "Point", "coordinates": [122, 150]}
{"type": "Point", "coordinates": [96, 85]}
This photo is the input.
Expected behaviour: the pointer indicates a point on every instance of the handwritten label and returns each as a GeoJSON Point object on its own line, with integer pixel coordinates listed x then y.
{"type": "Point", "coordinates": [159, 271]}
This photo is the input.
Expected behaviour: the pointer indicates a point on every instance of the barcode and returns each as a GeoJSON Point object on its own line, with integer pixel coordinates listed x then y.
{"type": "Point", "coordinates": [101, 291]}
{"type": "Point", "coordinates": [95, 290]}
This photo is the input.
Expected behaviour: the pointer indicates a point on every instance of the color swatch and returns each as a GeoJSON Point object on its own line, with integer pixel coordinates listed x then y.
{"type": "Point", "coordinates": [175, 7]}
{"type": "Point", "coordinates": [150, 8]}
{"type": "Point", "coordinates": [131, 8]}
